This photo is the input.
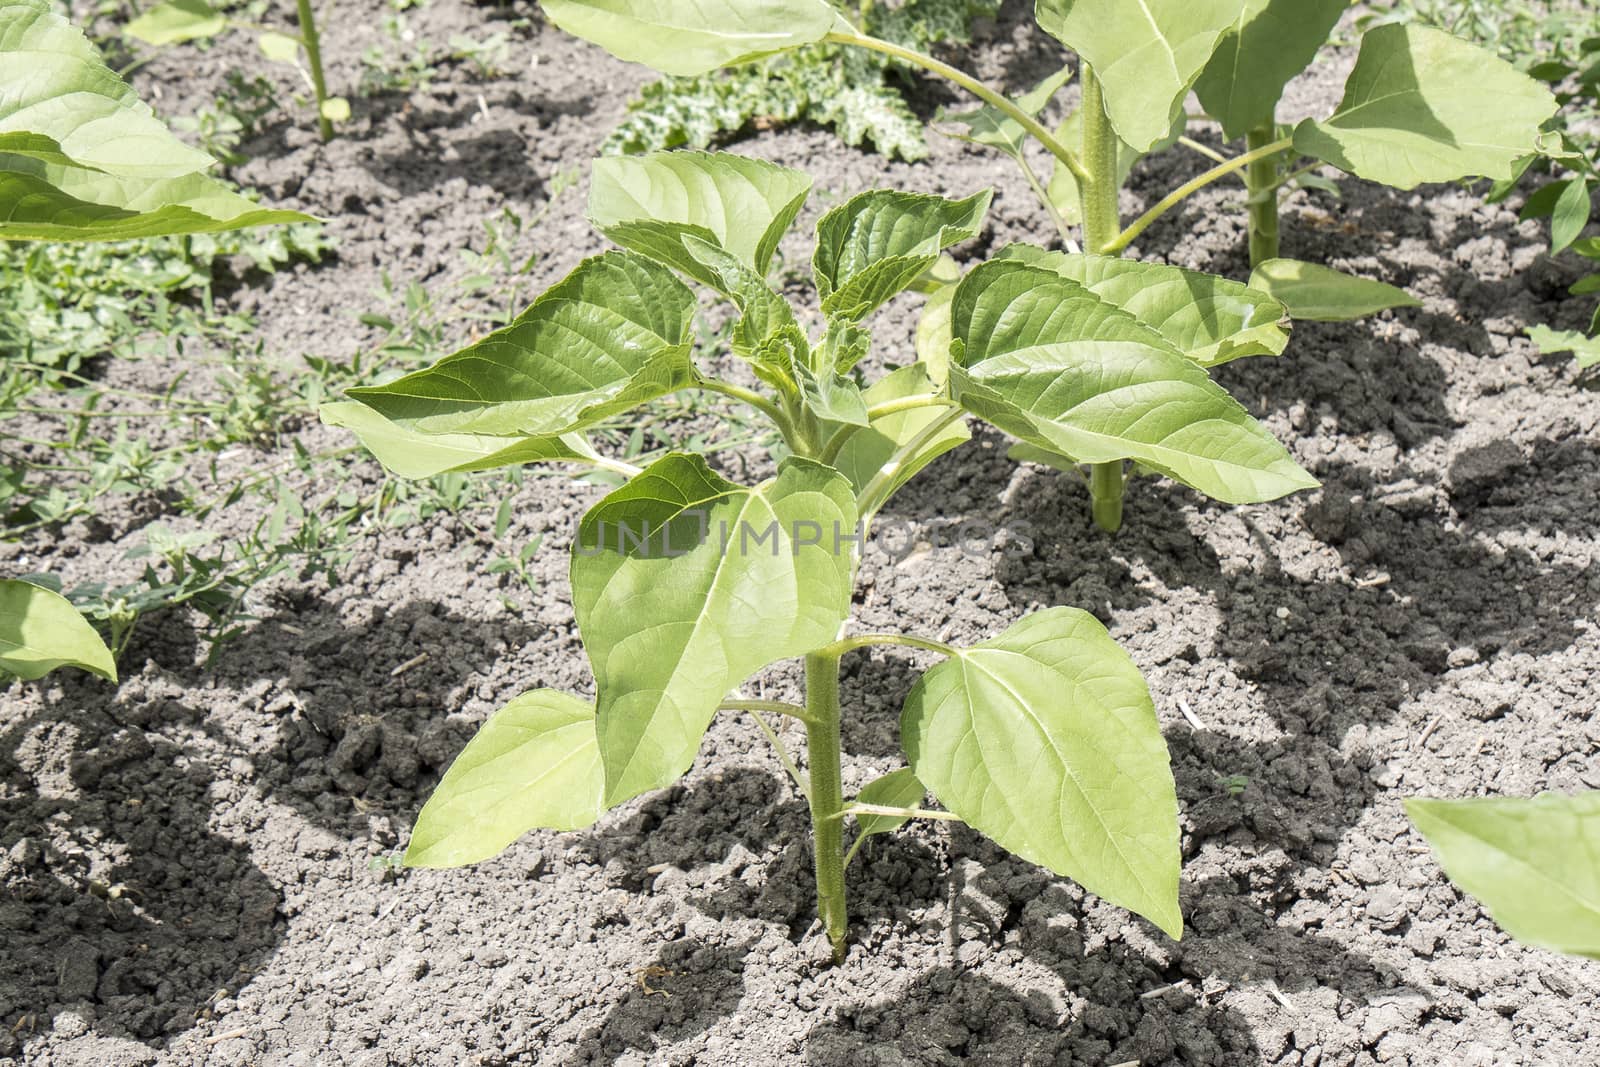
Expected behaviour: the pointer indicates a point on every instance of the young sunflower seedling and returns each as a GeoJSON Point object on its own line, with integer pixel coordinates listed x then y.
{"type": "Point", "coordinates": [685, 584]}
{"type": "Point", "coordinates": [1419, 106]}
{"type": "Point", "coordinates": [175, 21]}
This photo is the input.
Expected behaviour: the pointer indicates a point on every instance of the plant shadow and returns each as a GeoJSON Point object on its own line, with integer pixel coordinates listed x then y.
{"type": "Point", "coordinates": [119, 905]}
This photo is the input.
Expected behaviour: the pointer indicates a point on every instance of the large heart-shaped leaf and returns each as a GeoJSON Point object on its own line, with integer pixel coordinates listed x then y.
{"type": "Point", "coordinates": [1316, 293]}
{"type": "Point", "coordinates": [684, 584]}
{"type": "Point", "coordinates": [867, 453]}
{"type": "Point", "coordinates": [1269, 43]}
{"type": "Point", "coordinates": [1534, 863]}
{"type": "Point", "coordinates": [687, 37]}
{"type": "Point", "coordinates": [41, 630]}
{"type": "Point", "coordinates": [82, 158]}
{"type": "Point", "coordinates": [1048, 361]}
{"type": "Point", "coordinates": [1423, 106]}
{"type": "Point", "coordinates": [877, 244]}
{"type": "Point", "coordinates": [609, 336]}
{"type": "Point", "coordinates": [1208, 318]}
{"type": "Point", "coordinates": [1146, 53]}
{"type": "Point", "coordinates": [411, 454]}
{"type": "Point", "coordinates": [1045, 738]}
{"type": "Point", "coordinates": [534, 765]}
{"type": "Point", "coordinates": [651, 203]}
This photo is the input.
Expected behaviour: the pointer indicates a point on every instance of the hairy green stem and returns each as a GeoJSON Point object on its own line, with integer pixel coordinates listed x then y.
{"type": "Point", "coordinates": [988, 95]}
{"type": "Point", "coordinates": [1262, 180]}
{"type": "Point", "coordinates": [907, 403]}
{"type": "Point", "coordinates": [850, 644]}
{"type": "Point", "coordinates": [1105, 494]}
{"type": "Point", "coordinates": [777, 707]}
{"type": "Point", "coordinates": [1101, 221]}
{"type": "Point", "coordinates": [897, 813]}
{"type": "Point", "coordinates": [782, 753]}
{"type": "Point", "coordinates": [1194, 185]}
{"type": "Point", "coordinates": [824, 767]}
{"type": "Point", "coordinates": [747, 396]}
{"type": "Point", "coordinates": [877, 491]}
{"type": "Point", "coordinates": [313, 46]}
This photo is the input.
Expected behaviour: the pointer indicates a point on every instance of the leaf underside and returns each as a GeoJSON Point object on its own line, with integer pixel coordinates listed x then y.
{"type": "Point", "coordinates": [1423, 106]}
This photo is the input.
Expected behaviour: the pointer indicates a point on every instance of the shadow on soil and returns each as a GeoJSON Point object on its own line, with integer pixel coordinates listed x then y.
{"type": "Point", "coordinates": [117, 902]}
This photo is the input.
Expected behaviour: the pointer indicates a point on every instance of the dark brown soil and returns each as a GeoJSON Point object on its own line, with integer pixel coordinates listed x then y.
{"type": "Point", "coordinates": [192, 865]}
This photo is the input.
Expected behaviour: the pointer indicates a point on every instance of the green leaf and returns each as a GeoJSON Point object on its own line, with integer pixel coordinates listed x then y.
{"type": "Point", "coordinates": [1550, 342]}
{"type": "Point", "coordinates": [1589, 283]}
{"type": "Point", "coordinates": [1051, 363]}
{"type": "Point", "coordinates": [934, 336]}
{"type": "Point", "coordinates": [1045, 739]}
{"type": "Point", "coordinates": [1146, 53]}
{"type": "Point", "coordinates": [279, 47]}
{"type": "Point", "coordinates": [684, 584]}
{"type": "Point", "coordinates": [411, 454]}
{"type": "Point", "coordinates": [993, 128]}
{"type": "Point", "coordinates": [1571, 215]}
{"type": "Point", "coordinates": [693, 36]}
{"type": "Point", "coordinates": [1270, 43]}
{"type": "Point", "coordinates": [82, 158]}
{"type": "Point", "coordinates": [41, 630]}
{"type": "Point", "coordinates": [879, 243]}
{"type": "Point", "coordinates": [651, 203]}
{"type": "Point", "coordinates": [335, 109]}
{"type": "Point", "coordinates": [175, 21]}
{"type": "Point", "coordinates": [1210, 319]}
{"type": "Point", "coordinates": [1534, 863]}
{"type": "Point", "coordinates": [866, 453]}
{"type": "Point", "coordinates": [833, 397]}
{"type": "Point", "coordinates": [1316, 293]}
{"type": "Point", "coordinates": [897, 789]}
{"type": "Point", "coordinates": [1423, 106]}
{"type": "Point", "coordinates": [533, 765]}
{"type": "Point", "coordinates": [611, 335]}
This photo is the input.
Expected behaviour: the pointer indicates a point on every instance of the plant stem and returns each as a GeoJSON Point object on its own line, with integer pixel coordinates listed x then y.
{"type": "Point", "coordinates": [877, 491]}
{"type": "Point", "coordinates": [747, 396]}
{"type": "Point", "coordinates": [907, 403]}
{"type": "Point", "coordinates": [777, 707]}
{"type": "Point", "coordinates": [783, 754]}
{"type": "Point", "coordinates": [988, 95]}
{"type": "Point", "coordinates": [1105, 494]}
{"type": "Point", "coordinates": [1099, 190]}
{"type": "Point", "coordinates": [1194, 185]}
{"type": "Point", "coordinates": [850, 644]}
{"type": "Point", "coordinates": [1101, 221]}
{"type": "Point", "coordinates": [898, 813]}
{"type": "Point", "coordinates": [823, 764]}
{"type": "Point", "coordinates": [1261, 179]}
{"type": "Point", "coordinates": [313, 45]}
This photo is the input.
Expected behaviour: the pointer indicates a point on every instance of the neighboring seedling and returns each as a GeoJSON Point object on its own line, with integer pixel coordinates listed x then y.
{"type": "Point", "coordinates": [175, 21]}
{"type": "Point", "coordinates": [1419, 106]}
{"type": "Point", "coordinates": [82, 159]}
